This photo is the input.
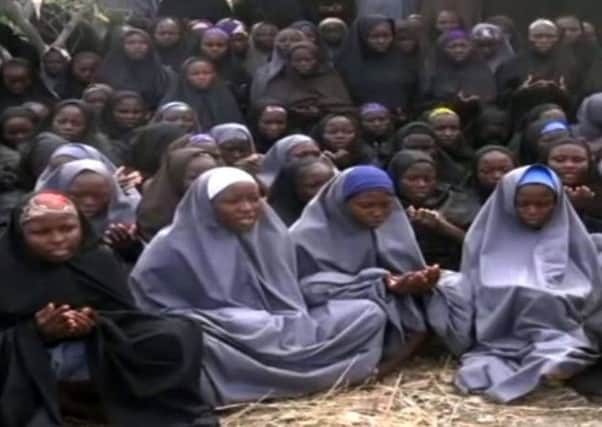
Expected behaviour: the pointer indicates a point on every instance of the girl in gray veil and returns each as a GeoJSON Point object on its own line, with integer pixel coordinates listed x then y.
{"type": "Point", "coordinates": [341, 255]}
{"type": "Point", "coordinates": [227, 261]}
{"type": "Point", "coordinates": [534, 276]}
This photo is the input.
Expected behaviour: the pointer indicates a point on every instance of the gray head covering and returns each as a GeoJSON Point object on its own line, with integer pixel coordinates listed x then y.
{"type": "Point", "coordinates": [243, 287]}
{"type": "Point", "coordinates": [121, 208]}
{"type": "Point", "coordinates": [79, 151]}
{"type": "Point", "coordinates": [504, 52]}
{"type": "Point", "coordinates": [230, 131]}
{"type": "Point", "coordinates": [536, 294]}
{"type": "Point", "coordinates": [278, 156]}
{"type": "Point", "coordinates": [328, 239]}
{"type": "Point", "coordinates": [589, 118]}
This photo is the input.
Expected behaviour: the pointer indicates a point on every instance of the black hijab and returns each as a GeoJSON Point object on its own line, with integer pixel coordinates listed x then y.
{"type": "Point", "coordinates": [37, 91]}
{"type": "Point", "coordinates": [138, 384]}
{"type": "Point", "coordinates": [36, 157]}
{"type": "Point", "coordinates": [472, 184]}
{"type": "Point", "coordinates": [282, 13]}
{"type": "Point", "coordinates": [211, 10]}
{"type": "Point", "coordinates": [148, 76]}
{"type": "Point", "coordinates": [388, 79]}
{"type": "Point", "coordinates": [214, 105]}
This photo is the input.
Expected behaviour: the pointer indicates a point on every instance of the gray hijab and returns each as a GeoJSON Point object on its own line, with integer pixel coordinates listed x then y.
{"type": "Point", "coordinates": [589, 118]}
{"type": "Point", "coordinates": [230, 131]}
{"type": "Point", "coordinates": [278, 156]}
{"type": "Point", "coordinates": [244, 289]}
{"type": "Point", "coordinates": [536, 295]}
{"type": "Point", "coordinates": [121, 208]}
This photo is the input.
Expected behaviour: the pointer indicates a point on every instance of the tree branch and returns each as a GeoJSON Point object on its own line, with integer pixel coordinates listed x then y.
{"type": "Point", "coordinates": [15, 13]}
{"type": "Point", "coordinates": [76, 18]}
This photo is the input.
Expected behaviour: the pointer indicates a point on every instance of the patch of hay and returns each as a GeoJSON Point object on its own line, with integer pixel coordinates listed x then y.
{"type": "Point", "coordinates": [421, 394]}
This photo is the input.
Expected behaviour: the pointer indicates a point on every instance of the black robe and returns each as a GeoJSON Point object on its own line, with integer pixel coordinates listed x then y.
{"type": "Point", "coordinates": [145, 369]}
{"type": "Point", "coordinates": [211, 10]}
{"type": "Point", "coordinates": [279, 12]}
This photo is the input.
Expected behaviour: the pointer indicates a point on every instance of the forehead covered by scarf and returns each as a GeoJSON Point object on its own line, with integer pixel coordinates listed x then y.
{"type": "Point", "coordinates": [202, 138]}
{"type": "Point", "coordinates": [328, 22]}
{"type": "Point", "coordinates": [366, 178]}
{"type": "Point", "coordinates": [487, 31]}
{"type": "Point", "coordinates": [222, 178]}
{"type": "Point", "coordinates": [543, 23]}
{"type": "Point", "coordinates": [231, 131]}
{"type": "Point", "coordinates": [540, 175]}
{"type": "Point", "coordinates": [47, 203]}
{"type": "Point", "coordinates": [442, 111]}
{"type": "Point", "coordinates": [216, 32]}
{"type": "Point", "coordinates": [554, 126]}
{"type": "Point", "coordinates": [173, 106]}
{"type": "Point", "coordinates": [373, 107]}
{"type": "Point", "coordinates": [451, 36]}
{"type": "Point", "coordinates": [232, 26]}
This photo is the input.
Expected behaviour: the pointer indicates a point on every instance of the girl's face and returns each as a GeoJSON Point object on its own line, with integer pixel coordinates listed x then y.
{"type": "Point", "coordinates": [492, 167]}
{"type": "Point", "coordinates": [418, 182]}
{"type": "Point", "coordinates": [303, 61]}
{"type": "Point", "coordinates": [458, 50]}
{"type": "Point", "coordinates": [239, 43]}
{"type": "Point", "coordinates": [571, 29]}
{"type": "Point", "coordinates": [96, 100]}
{"type": "Point", "coordinates": [535, 205]}
{"type": "Point", "coordinates": [311, 180]}
{"type": "Point", "coordinates": [84, 68]}
{"type": "Point", "coordinates": [486, 47]}
{"type": "Point", "coordinates": [371, 209]}
{"type": "Point", "coordinates": [447, 128]}
{"type": "Point", "coordinates": [136, 47]}
{"type": "Point", "coordinates": [380, 38]}
{"type": "Point", "coordinates": [332, 34]}
{"type": "Point", "coordinates": [405, 43]}
{"type": "Point", "coordinates": [130, 113]}
{"type": "Point", "coordinates": [167, 33]}
{"type": "Point", "coordinates": [447, 21]}
{"type": "Point", "coordinates": [183, 118]}
{"type": "Point", "coordinates": [235, 150]}
{"type": "Point", "coordinates": [273, 122]}
{"type": "Point", "coordinates": [264, 36]}
{"type": "Point", "coordinates": [421, 142]}
{"type": "Point", "coordinates": [215, 46]}
{"type": "Point", "coordinates": [339, 133]}
{"type": "Point", "coordinates": [41, 111]}
{"type": "Point", "coordinates": [494, 132]}
{"type": "Point", "coordinates": [378, 123]}
{"type": "Point", "coordinates": [543, 38]}
{"type": "Point", "coordinates": [55, 63]}
{"type": "Point", "coordinates": [17, 79]}
{"type": "Point", "coordinates": [570, 162]}
{"type": "Point", "coordinates": [301, 151]}
{"type": "Point", "coordinates": [554, 114]}
{"type": "Point", "coordinates": [53, 237]}
{"type": "Point", "coordinates": [546, 140]}
{"type": "Point", "coordinates": [286, 38]}
{"type": "Point", "coordinates": [238, 207]}
{"type": "Point", "coordinates": [200, 74]}
{"type": "Point", "coordinates": [309, 33]}
{"type": "Point", "coordinates": [195, 168]}
{"type": "Point", "coordinates": [70, 123]}
{"type": "Point", "coordinates": [91, 193]}
{"type": "Point", "coordinates": [17, 130]}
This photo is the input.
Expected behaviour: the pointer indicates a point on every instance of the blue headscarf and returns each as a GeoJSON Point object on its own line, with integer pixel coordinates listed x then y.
{"type": "Point", "coordinates": [366, 178]}
{"type": "Point", "coordinates": [554, 126]}
{"type": "Point", "coordinates": [542, 175]}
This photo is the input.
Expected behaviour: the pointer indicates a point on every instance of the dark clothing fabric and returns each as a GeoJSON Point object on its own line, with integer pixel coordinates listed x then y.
{"type": "Point", "coordinates": [211, 10]}
{"type": "Point", "coordinates": [36, 156]}
{"type": "Point", "coordinates": [36, 92]}
{"type": "Point", "coordinates": [280, 12]}
{"type": "Point", "coordinates": [144, 368]}
{"type": "Point", "coordinates": [148, 76]}
{"type": "Point", "coordinates": [388, 78]}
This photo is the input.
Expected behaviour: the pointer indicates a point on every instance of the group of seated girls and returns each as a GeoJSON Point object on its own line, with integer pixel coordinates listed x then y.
{"type": "Point", "coordinates": [215, 217]}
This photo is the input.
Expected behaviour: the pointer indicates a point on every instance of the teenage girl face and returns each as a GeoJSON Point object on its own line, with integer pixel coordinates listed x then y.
{"type": "Point", "coordinates": [492, 167]}
{"type": "Point", "coordinates": [312, 179]}
{"type": "Point", "coordinates": [543, 38]}
{"type": "Point", "coordinates": [371, 209]}
{"type": "Point", "coordinates": [273, 122]}
{"type": "Point", "coordinates": [420, 142]}
{"type": "Point", "coordinates": [332, 34]}
{"type": "Point", "coordinates": [264, 36]}
{"type": "Point", "coordinates": [418, 182]}
{"type": "Point", "coordinates": [458, 50]}
{"type": "Point", "coordinates": [96, 100]}
{"type": "Point", "coordinates": [553, 114]}
{"type": "Point", "coordinates": [167, 33]}
{"type": "Point", "coordinates": [91, 193]}
{"type": "Point", "coordinates": [17, 130]}
{"type": "Point", "coordinates": [70, 123]}
{"type": "Point", "coordinates": [304, 61]}
{"type": "Point", "coordinates": [448, 130]}
{"type": "Point", "coordinates": [53, 237]}
{"type": "Point", "coordinates": [238, 207]}
{"type": "Point", "coordinates": [286, 38]}
{"type": "Point", "coordinates": [486, 47]}
{"type": "Point", "coordinates": [17, 78]}
{"type": "Point", "coordinates": [378, 123]}
{"type": "Point", "coordinates": [136, 47]}
{"type": "Point", "coordinates": [570, 162]}
{"type": "Point", "coordinates": [544, 141]}
{"type": "Point", "coordinates": [54, 63]}
{"type": "Point", "coordinates": [195, 168]}
{"type": "Point", "coordinates": [309, 33]}
{"type": "Point", "coordinates": [535, 205]}
{"type": "Point", "coordinates": [405, 42]}
{"type": "Point", "coordinates": [181, 117]}
{"type": "Point", "coordinates": [235, 150]}
{"type": "Point", "coordinates": [301, 151]}
{"type": "Point", "coordinates": [447, 20]}
{"type": "Point", "coordinates": [239, 43]}
{"type": "Point", "coordinates": [571, 29]}
{"type": "Point", "coordinates": [589, 32]}
{"type": "Point", "coordinates": [339, 133]}
{"type": "Point", "coordinates": [201, 74]}
{"type": "Point", "coordinates": [214, 45]}
{"type": "Point", "coordinates": [130, 112]}
{"type": "Point", "coordinates": [380, 38]}
{"type": "Point", "coordinates": [84, 67]}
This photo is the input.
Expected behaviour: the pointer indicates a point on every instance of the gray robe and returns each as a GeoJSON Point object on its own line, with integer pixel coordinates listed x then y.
{"type": "Point", "coordinates": [262, 340]}
{"type": "Point", "coordinates": [339, 259]}
{"type": "Point", "coordinates": [278, 156]}
{"type": "Point", "coordinates": [536, 296]}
